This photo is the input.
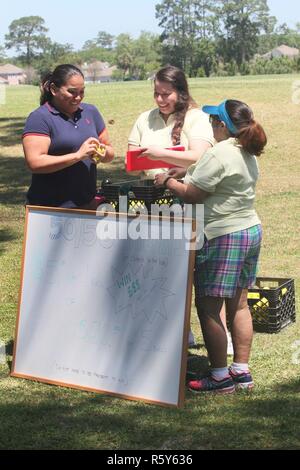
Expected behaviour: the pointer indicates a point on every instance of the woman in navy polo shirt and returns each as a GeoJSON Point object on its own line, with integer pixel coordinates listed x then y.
{"type": "Point", "coordinates": [59, 141]}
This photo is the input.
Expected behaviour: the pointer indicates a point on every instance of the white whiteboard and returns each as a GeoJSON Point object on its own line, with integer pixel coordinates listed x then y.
{"type": "Point", "coordinates": [104, 315]}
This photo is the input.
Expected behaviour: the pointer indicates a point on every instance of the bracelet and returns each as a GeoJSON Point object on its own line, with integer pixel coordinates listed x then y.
{"type": "Point", "coordinates": [166, 180]}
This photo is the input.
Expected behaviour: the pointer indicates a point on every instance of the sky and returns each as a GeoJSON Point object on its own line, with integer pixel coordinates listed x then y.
{"type": "Point", "coordinates": [74, 21]}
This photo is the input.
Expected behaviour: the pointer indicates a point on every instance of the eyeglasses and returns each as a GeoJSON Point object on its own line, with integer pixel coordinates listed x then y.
{"type": "Point", "coordinates": [214, 120]}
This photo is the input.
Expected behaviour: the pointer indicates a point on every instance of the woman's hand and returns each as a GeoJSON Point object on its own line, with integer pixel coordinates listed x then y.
{"type": "Point", "coordinates": [177, 172]}
{"type": "Point", "coordinates": [159, 179]}
{"type": "Point", "coordinates": [100, 154]}
{"type": "Point", "coordinates": [88, 148]}
{"type": "Point", "coordinates": [154, 152]}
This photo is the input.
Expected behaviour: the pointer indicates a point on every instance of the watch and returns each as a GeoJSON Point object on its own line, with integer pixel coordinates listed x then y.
{"type": "Point", "coordinates": [166, 180]}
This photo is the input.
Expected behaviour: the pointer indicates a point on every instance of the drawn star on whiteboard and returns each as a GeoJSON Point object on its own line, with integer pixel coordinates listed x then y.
{"type": "Point", "coordinates": [118, 289]}
{"type": "Point", "coordinates": [154, 297]}
{"type": "Point", "coordinates": [136, 292]}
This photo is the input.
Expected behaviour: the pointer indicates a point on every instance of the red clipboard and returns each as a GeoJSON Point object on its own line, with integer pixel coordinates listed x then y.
{"type": "Point", "coordinates": [133, 163]}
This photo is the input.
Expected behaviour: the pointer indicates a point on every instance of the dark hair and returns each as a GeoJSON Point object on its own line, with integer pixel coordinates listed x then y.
{"type": "Point", "coordinates": [59, 77]}
{"type": "Point", "coordinates": [251, 134]}
{"type": "Point", "coordinates": [176, 77]}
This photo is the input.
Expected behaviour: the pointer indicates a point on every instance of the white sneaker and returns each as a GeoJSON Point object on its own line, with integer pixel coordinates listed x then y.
{"type": "Point", "coordinates": [191, 339]}
{"type": "Point", "coordinates": [230, 351]}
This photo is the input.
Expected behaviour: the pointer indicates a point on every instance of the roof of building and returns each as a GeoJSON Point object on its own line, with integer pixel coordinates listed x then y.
{"type": "Point", "coordinates": [95, 64]}
{"type": "Point", "coordinates": [284, 50]}
{"type": "Point", "coordinates": [287, 50]}
{"type": "Point", "coordinates": [98, 69]}
{"type": "Point", "coordinates": [10, 69]}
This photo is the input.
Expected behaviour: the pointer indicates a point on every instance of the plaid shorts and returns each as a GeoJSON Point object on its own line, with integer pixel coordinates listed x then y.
{"type": "Point", "coordinates": [225, 263]}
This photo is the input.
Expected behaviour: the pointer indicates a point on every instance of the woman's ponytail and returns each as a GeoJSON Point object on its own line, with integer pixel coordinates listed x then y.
{"type": "Point", "coordinates": [250, 133]}
{"type": "Point", "coordinates": [45, 88]}
{"type": "Point", "coordinates": [252, 138]}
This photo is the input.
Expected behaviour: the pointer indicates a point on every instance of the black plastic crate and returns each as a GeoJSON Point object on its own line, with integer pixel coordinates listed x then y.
{"type": "Point", "coordinates": [135, 205]}
{"type": "Point", "coordinates": [140, 189]}
{"type": "Point", "coordinates": [146, 191]}
{"type": "Point", "coordinates": [272, 304]}
{"type": "Point", "coordinates": [114, 190]}
{"type": "Point", "coordinates": [141, 194]}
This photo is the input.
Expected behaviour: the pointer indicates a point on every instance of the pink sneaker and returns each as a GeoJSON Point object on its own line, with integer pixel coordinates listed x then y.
{"type": "Point", "coordinates": [209, 384]}
{"type": "Point", "coordinates": [242, 381]}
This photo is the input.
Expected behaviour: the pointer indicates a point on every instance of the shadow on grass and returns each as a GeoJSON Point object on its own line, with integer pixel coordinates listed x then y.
{"type": "Point", "coordinates": [14, 179]}
{"type": "Point", "coordinates": [55, 418]}
{"type": "Point", "coordinates": [197, 366]}
{"type": "Point", "coordinates": [11, 130]}
{"type": "Point", "coordinates": [42, 416]}
{"type": "Point", "coordinates": [6, 235]}
{"type": "Point", "coordinates": [9, 347]}
{"type": "Point", "coordinates": [290, 387]}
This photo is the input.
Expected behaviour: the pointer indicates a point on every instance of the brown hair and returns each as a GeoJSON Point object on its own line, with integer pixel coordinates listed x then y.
{"type": "Point", "coordinates": [59, 77]}
{"type": "Point", "coordinates": [176, 77]}
{"type": "Point", "coordinates": [250, 133]}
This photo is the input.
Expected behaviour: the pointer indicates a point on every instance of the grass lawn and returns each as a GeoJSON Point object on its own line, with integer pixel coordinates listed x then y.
{"type": "Point", "coordinates": [39, 416]}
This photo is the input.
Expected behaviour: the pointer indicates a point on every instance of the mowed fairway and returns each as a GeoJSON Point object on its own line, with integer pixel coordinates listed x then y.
{"type": "Point", "coordinates": [38, 416]}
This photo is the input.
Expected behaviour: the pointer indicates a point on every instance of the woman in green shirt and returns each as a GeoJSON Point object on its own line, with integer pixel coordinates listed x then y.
{"type": "Point", "coordinates": [224, 180]}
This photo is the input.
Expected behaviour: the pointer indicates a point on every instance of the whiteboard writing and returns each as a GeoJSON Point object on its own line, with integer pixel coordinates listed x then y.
{"type": "Point", "coordinates": [107, 315]}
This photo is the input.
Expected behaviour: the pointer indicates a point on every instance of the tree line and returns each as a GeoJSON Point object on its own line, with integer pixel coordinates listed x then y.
{"type": "Point", "coordinates": [203, 37]}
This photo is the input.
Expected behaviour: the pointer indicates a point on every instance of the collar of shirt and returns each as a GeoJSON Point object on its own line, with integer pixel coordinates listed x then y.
{"type": "Point", "coordinates": [170, 119]}
{"type": "Point", "coordinates": [53, 110]}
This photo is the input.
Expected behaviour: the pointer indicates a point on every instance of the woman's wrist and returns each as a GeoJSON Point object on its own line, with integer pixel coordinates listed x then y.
{"type": "Point", "coordinates": [78, 156]}
{"type": "Point", "coordinates": [109, 154]}
{"type": "Point", "coordinates": [166, 180]}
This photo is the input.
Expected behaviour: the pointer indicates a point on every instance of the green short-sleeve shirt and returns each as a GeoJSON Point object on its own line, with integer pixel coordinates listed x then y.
{"type": "Point", "coordinates": [229, 174]}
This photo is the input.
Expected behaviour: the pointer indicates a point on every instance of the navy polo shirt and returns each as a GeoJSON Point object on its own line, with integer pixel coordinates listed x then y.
{"type": "Point", "coordinates": [76, 183]}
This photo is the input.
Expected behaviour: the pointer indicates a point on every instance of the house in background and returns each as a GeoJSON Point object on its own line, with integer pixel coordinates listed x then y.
{"type": "Point", "coordinates": [282, 51]}
{"type": "Point", "coordinates": [12, 75]}
{"type": "Point", "coordinates": [98, 72]}
{"type": "Point", "coordinates": [3, 81]}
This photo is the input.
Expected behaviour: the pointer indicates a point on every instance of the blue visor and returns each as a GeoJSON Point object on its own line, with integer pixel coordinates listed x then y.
{"type": "Point", "coordinates": [221, 112]}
